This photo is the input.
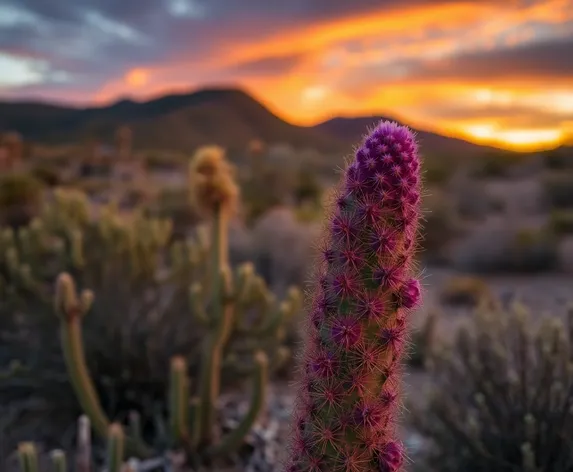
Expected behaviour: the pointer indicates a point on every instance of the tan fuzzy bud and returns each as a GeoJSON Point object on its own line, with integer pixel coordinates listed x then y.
{"type": "Point", "coordinates": [212, 181]}
{"type": "Point", "coordinates": [86, 300]}
{"type": "Point", "coordinates": [178, 364]}
{"type": "Point", "coordinates": [66, 298]}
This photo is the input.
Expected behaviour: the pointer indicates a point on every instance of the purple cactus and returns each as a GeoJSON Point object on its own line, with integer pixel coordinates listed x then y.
{"type": "Point", "coordinates": [349, 384]}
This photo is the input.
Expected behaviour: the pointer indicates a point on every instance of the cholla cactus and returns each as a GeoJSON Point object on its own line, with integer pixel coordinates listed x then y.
{"type": "Point", "coordinates": [28, 456]}
{"type": "Point", "coordinates": [358, 320]}
{"type": "Point", "coordinates": [222, 305]}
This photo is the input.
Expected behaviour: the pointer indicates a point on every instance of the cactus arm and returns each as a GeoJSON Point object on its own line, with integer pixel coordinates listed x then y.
{"type": "Point", "coordinates": [27, 457]}
{"type": "Point", "coordinates": [71, 310]}
{"type": "Point", "coordinates": [233, 440]}
{"type": "Point", "coordinates": [212, 361]}
{"type": "Point", "coordinates": [194, 418]}
{"type": "Point", "coordinates": [178, 400]}
{"type": "Point", "coordinates": [75, 362]}
{"type": "Point", "coordinates": [197, 306]}
{"type": "Point", "coordinates": [115, 448]}
{"type": "Point", "coordinates": [59, 462]}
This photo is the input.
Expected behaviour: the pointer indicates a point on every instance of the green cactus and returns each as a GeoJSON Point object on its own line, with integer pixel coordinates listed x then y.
{"type": "Point", "coordinates": [192, 421]}
{"type": "Point", "coordinates": [28, 455]}
{"type": "Point", "coordinates": [241, 322]}
{"type": "Point", "coordinates": [121, 258]}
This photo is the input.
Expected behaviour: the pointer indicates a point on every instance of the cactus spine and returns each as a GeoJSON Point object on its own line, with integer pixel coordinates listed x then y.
{"type": "Point", "coordinates": [348, 391]}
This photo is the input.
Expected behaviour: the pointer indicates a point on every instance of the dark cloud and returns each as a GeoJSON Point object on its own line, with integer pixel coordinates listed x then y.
{"type": "Point", "coordinates": [551, 58]}
{"type": "Point", "coordinates": [96, 41]}
{"type": "Point", "coordinates": [266, 66]}
{"type": "Point", "coordinates": [518, 115]}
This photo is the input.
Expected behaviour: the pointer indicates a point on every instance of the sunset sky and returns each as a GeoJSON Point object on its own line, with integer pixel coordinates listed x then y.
{"type": "Point", "coordinates": [492, 71]}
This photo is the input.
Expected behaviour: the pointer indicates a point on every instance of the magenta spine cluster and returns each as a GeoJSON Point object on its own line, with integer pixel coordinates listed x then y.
{"type": "Point", "coordinates": [357, 324]}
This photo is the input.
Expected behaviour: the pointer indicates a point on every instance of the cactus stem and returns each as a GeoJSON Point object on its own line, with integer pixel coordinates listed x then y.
{"type": "Point", "coordinates": [233, 440]}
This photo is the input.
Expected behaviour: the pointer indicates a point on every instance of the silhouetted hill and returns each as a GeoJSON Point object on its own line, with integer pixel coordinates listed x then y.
{"type": "Point", "coordinates": [351, 130]}
{"type": "Point", "coordinates": [229, 117]}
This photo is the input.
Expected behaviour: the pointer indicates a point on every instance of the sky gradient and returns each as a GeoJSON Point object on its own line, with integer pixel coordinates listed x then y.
{"type": "Point", "coordinates": [498, 72]}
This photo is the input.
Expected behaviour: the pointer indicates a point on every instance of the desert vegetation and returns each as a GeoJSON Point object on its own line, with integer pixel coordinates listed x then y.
{"type": "Point", "coordinates": [152, 315]}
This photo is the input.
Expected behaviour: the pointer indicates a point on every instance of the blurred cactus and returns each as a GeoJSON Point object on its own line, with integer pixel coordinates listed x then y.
{"type": "Point", "coordinates": [124, 142]}
{"type": "Point", "coordinates": [145, 285]}
{"type": "Point", "coordinates": [349, 386]}
{"type": "Point", "coordinates": [466, 290]}
{"type": "Point", "coordinates": [20, 196]}
{"type": "Point", "coordinates": [236, 328]}
{"type": "Point", "coordinates": [423, 342]}
{"type": "Point", "coordinates": [503, 396]}
{"type": "Point", "coordinates": [29, 461]}
{"type": "Point", "coordinates": [13, 142]}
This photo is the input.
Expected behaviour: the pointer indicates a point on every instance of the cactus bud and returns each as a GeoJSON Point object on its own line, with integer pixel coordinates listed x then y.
{"type": "Point", "coordinates": [66, 298]}
{"type": "Point", "coordinates": [211, 181]}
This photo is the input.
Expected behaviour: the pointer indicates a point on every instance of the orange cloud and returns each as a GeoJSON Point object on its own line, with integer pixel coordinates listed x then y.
{"type": "Point", "coordinates": [408, 62]}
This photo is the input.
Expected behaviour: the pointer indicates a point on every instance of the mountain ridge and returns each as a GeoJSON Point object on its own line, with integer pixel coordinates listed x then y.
{"type": "Point", "coordinates": [230, 117]}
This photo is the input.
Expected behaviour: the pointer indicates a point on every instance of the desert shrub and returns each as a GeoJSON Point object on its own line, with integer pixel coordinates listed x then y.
{"type": "Point", "coordinates": [275, 231]}
{"type": "Point", "coordinates": [438, 170]}
{"type": "Point", "coordinates": [472, 201]}
{"type": "Point", "coordinates": [507, 249]}
{"type": "Point", "coordinates": [163, 162]}
{"type": "Point", "coordinates": [559, 159]}
{"type": "Point", "coordinates": [465, 290]}
{"type": "Point", "coordinates": [439, 227]}
{"type": "Point", "coordinates": [92, 186]}
{"type": "Point", "coordinates": [423, 342]}
{"type": "Point", "coordinates": [47, 175]}
{"type": "Point", "coordinates": [95, 170]}
{"type": "Point", "coordinates": [494, 165]}
{"type": "Point", "coordinates": [20, 196]}
{"type": "Point", "coordinates": [306, 188]}
{"type": "Point", "coordinates": [558, 189]}
{"type": "Point", "coordinates": [561, 221]}
{"type": "Point", "coordinates": [502, 397]}
{"type": "Point", "coordinates": [173, 203]}
{"type": "Point", "coordinates": [264, 190]}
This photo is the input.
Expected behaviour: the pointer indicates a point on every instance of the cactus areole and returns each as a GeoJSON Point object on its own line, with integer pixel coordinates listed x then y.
{"type": "Point", "coordinates": [357, 324]}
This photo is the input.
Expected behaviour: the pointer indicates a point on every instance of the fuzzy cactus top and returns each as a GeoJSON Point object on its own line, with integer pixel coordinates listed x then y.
{"type": "Point", "coordinates": [349, 383]}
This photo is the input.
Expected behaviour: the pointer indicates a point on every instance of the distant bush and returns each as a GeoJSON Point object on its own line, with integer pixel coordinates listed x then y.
{"type": "Point", "coordinates": [559, 159]}
{"type": "Point", "coordinates": [20, 197]}
{"type": "Point", "coordinates": [173, 203]}
{"type": "Point", "coordinates": [272, 234]}
{"type": "Point", "coordinates": [263, 191]}
{"type": "Point", "coordinates": [502, 398]}
{"type": "Point", "coordinates": [558, 190]}
{"type": "Point", "coordinates": [496, 164]}
{"type": "Point", "coordinates": [465, 290]}
{"type": "Point", "coordinates": [423, 342]}
{"type": "Point", "coordinates": [473, 202]}
{"type": "Point", "coordinates": [438, 170]}
{"type": "Point", "coordinates": [506, 249]}
{"type": "Point", "coordinates": [95, 170]}
{"type": "Point", "coordinates": [164, 162]}
{"type": "Point", "coordinates": [306, 187]}
{"type": "Point", "coordinates": [49, 175]}
{"type": "Point", "coordinates": [561, 221]}
{"type": "Point", "coordinates": [439, 227]}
